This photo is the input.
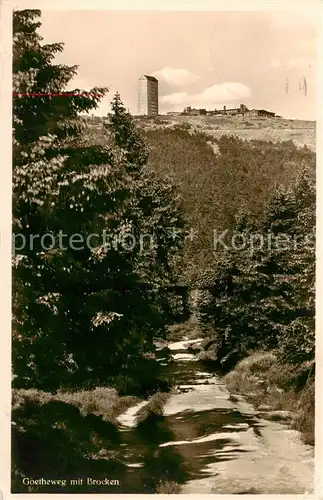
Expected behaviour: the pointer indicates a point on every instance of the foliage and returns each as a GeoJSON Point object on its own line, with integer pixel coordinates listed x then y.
{"type": "Point", "coordinates": [51, 110]}
{"type": "Point", "coordinates": [261, 295]}
{"type": "Point", "coordinates": [87, 306]}
{"type": "Point", "coordinates": [215, 187]}
{"type": "Point", "coordinates": [247, 190]}
{"type": "Point", "coordinates": [217, 179]}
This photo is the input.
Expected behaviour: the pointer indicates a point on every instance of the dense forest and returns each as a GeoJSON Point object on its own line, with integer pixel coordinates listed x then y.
{"type": "Point", "coordinates": [86, 318]}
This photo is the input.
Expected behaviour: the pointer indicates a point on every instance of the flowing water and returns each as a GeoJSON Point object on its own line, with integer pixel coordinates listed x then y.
{"type": "Point", "coordinates": [207, 443]}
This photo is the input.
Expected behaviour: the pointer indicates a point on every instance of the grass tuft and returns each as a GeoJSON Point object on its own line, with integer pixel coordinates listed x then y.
{"type": "Point", "coordinates": [168, 487]}
{"type": "Point", "coordinates": [264, 381]}
{"type": "Point", "coordinates": [306, 415]}
{"type": "Point", "coordinates": [154, 407]}
{"type": "Point", "coordinates": [257, 363]}
{"type": "Point", "coordinates": [102, 401]}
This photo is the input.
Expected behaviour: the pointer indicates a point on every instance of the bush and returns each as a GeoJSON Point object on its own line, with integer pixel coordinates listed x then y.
{"type": "Point", "coordinates": [168, 487]}
{"type": "Point", "coordinates": [257, 363]}
{"type": "Point", "coordinates": [154, 407]}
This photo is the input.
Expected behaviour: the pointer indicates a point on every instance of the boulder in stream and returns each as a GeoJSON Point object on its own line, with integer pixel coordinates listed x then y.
{"type": "Point", "coordinates": [209, 355]}
{"type": "Point", "coordinates": [207, 343]}
{"type": "Point", "coordinates": [278, 415]}
{"type": "Point", "coordinates": [229, 361]}
{"type": "Point", "coordinates": [194, 346]}
{"type": "Point", "coordinates": [264, 408]}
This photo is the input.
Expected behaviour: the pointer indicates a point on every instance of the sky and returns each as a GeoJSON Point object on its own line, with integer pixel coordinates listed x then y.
{"type": "Point", "coordinates": [202, 59]}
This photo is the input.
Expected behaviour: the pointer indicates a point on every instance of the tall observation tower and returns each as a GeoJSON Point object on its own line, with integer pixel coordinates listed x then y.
{"type": "Point", "coordinates": [148, 95]}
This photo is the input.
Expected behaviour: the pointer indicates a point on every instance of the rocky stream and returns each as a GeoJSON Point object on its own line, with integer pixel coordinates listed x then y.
{"type": "Point", "coordinates": [210, 442]}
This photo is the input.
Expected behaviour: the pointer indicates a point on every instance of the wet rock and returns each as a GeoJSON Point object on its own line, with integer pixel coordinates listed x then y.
{"type": "Point", "coordinates": [163, 351]}
{"type": "Point", "coordinates": [195, 347]}
{"type": "Point", "coordinates": [248, 492]}
{"type": "Point", "coordinates": [102, 453]}
{"type": "Point", "coordinates": [262, 383]}
{"type": "Point", "coordinates": [278, 415]}
{"type": "Point", "coordinates": [264, 408]}
{"type": "Point", "coordinates": [230, 360]}
{"type": "Point", "coordinates": [160, 343]}
{"type": "Point", "coordinates": [238, 425]}
{"type": "Point", "coordinates": [183, 356]}
{"type": "Point", "coordinates": [207, 343]}
{"type": "Point", "coordinates": [184, 388]}
{"type": "Point", "coordinates": [251, 394]}
{"type": "Point", "coordinates": [233, 398]}
{"type": "Point", "coordinates": [209, 355]}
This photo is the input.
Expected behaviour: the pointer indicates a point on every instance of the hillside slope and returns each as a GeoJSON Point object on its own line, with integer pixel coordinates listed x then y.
{"type": "Point", "coordinates": [301, 132]}
{"type": "Point", "coordinates": [221, 166]}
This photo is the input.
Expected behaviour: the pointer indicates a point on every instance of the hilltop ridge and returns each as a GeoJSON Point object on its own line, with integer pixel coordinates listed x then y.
{"type": "Point", "coordinates": [301, 132]}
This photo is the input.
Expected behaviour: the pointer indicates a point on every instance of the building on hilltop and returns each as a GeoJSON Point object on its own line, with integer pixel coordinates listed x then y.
{"type": "Point", "coordinates": [242, 110]}
{"type": "Point", "coordinates": [231, 111]}
{"type": "Point", "coordinates": [193, 111]}
{"type": "Point", "coordinates": [148, 96]}
{"type": "Point", "coordinates": [260, 112]}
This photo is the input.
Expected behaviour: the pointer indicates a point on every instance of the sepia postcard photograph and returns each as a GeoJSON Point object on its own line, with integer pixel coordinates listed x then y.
{"type": "Point", "coordinates": [163, 248]}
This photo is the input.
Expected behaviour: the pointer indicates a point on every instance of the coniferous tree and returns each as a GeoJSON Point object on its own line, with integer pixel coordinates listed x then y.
{"type": "Point", "coordinates": [263, 297]}
{"type": "Point", "coordinates": [86, 302]}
